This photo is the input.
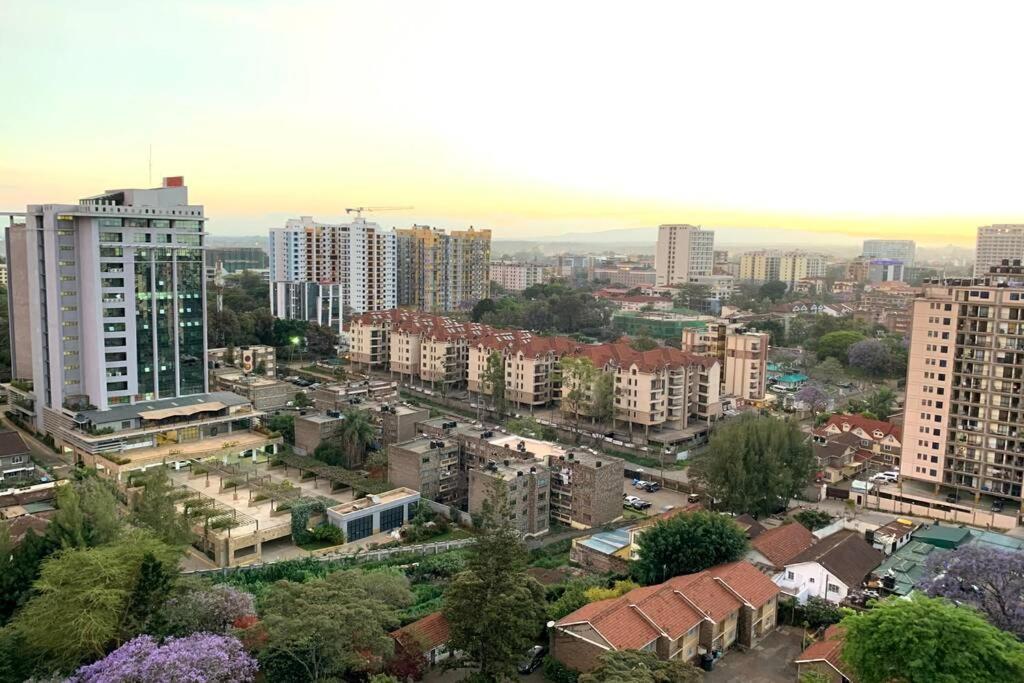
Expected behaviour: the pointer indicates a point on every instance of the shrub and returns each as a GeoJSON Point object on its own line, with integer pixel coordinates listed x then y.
{"type": "Point", "coordinates": [556, 672]}
{"type": "Point", "coordinates": [328, 533]}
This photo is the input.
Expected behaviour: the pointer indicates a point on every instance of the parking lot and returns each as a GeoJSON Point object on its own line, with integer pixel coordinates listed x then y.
{"type": "Point", "coordinates": [661, 500]}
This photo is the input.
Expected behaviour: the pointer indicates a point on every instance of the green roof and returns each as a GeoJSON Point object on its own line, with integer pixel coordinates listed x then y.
{"type": "Point", "coordinates": [906, 565]}
{"type": "Point", "coordinates": [997, 541]}
{"type": "Point", "coordinates": [943, 536]}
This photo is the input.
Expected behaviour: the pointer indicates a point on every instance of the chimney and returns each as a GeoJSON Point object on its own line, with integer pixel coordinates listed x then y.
{"type": "Point", "coordinates": [174, 181]}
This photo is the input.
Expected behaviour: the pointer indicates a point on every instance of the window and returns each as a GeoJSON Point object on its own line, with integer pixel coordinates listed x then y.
{"type": "Point", "coordinates": [789, 575]}
{"type": "Point", "coordinates": [16, 459]}
{"type": "Point", "coordinates": [832, 588]}
{"type": "Point", "coordinates": [811, 579]}
{"type": "Point", "coordinates": [110, 237]}
{"type": "Point", "coordinates": [359, 528]}
{"type": "Point", "coordinates": [110, 222]}
{"type": "Point", "coordinates": [392, 518]}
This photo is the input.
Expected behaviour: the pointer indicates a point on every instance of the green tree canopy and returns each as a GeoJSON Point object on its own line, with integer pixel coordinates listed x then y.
{"type": "Point", "coordinates": [685, 544]}
{"type": "Point", "coordinates": [156, 509]}
{"type": "Point", "coordinates": [774, 290]}
{"type": "Point", "coordinates": [929, 640]}
{"type": "Point", "coordinates": [327, 628]}
{"type": "Point", "coordinates": [603, 404]}
{"type": "Point", "coordinates": [494, 380]}
{"type": "Point", "coordinates": [634, 666]}
{"type": "Point", "coordinates": [755, 464]}
{"type": "Point", "coordinates": [494, 608]}
{"type": "Point", "coordinates": [837, 345]}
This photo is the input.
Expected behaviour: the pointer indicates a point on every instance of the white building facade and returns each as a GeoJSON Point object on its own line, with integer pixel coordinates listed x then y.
{"type": "Point", "coordinates": [684, 252]}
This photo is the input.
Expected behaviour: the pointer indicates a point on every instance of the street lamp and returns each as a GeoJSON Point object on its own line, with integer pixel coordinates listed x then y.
{"type": "Point", "coordinates": [291, 351]}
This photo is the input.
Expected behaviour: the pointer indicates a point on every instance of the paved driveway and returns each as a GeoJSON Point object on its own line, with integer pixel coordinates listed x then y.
{"type": "Point", "coordinates": [770, 661]}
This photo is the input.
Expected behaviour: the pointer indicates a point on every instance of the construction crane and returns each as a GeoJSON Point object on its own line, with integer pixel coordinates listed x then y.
{"type": "Point", "coordinates": [358, 211]}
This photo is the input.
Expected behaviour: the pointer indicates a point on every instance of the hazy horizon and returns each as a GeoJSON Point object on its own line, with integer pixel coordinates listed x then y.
{"type": "Point", "coordinates": [821, 122]}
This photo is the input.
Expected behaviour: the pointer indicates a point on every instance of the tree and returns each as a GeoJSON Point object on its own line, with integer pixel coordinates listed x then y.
{"type": "Point", "coordinates": [199, 658]}
{"type": "Point", "coordinates": [261, 368]}
{"type": "Point", "coordinates": [837, 344]}
{"type": "Point", "coordinates": [815, 398]}
{"type": "Point", "coordinates": [198, 608]}
{"type": "Point", "coordinates": [87, 591]}
{"type": "Point", "coordinates": [634, 666]}
{"type": "Point", "coordinates": [692, 296]}
{"type": "Point", "coordinates": [301, 400]}
{"type": "Point", "coordinates": [156, 509]}
{"type": "Point", "coordinates": [813, 519]}
{"type": "Point", "coordinates": [326, 628]}
{"type": "Point", "coordinates": [482, 307]}
{"type": "Point", "coordinates": [818, 612]}
{"type": "Point", "coordinates": [988, 579]}
{"type": "Point", "coordinates": [494, 608]}
{"type": "Point", "coordinates": [755, 464]}
{"type": "Point", "coordinates": [321, 341]}
{"type": "Point", "coordinates": [577, 376]}
{"type": "Point", "coordinates": [86, 514]}
{"type": "Point", "coordinates": [937, 642]}
{"type": "Point", "coordinates": [602, 407]}
{"type": "Point", "coordinates": [643, 344]}
{"type": "Point", "coordinates": [229, 354]}
{"type": "Point", "coordinates": [284, 424]}
{"type": "Point", "coordinates": [357, 434]}
{"type": "Point", "coordinates": [774, 290]}
{"type": "Point", "coordinates": [21, 571]}
{"type": "Point", "coordinates": [881, 403]}
{"type": "Point", "coordinates": [870, 356]}
{"type": "Point", "coordinates": [829, 370]}
{"type": "Point", "coordinates": [686, 544]}
{"type": "Point", "coordinates": [494, 381]}
{"type": "Point", "coordinates": [152, 586]}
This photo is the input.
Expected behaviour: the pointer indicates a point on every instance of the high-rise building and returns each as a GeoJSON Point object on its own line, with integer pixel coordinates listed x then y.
{"type": "Point", "coordinates": [110, 298]}
{"type": "Point", "coordinates": [963, 417]}
{"type": "Point", "coordinates": [742, 352]}
{"type": "Point", "coordinates": [515, 276]}
{"type": "Point", "coordinates": [322, 271]}
{"type": "Point", "coordinates": [684, 252]}
{"type": "Point", "coordinates": [760, 266]}
{"type": "Point", "coordinates": [902, 250]}
{"type": "Point", "coordinates": [885, 270]}
{"type": "Point", "coordinates": [442, 272]}
{"type": "Point", "coordinates": [995, 243]}
{"type": "Point", "coordinates": [799, 265]}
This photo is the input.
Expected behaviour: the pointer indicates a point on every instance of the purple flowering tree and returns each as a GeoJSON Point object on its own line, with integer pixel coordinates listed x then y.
{"type": "Point", "coordinates": [870, 356]}
{"type": "Point", "coordinates": [815, 398]}
{"type": "Point", "coordinates": [990, 580]}
{"type": "Point", "coordinates": [199, 658]}
{"type": "Point", "coordinates": [209, 610]}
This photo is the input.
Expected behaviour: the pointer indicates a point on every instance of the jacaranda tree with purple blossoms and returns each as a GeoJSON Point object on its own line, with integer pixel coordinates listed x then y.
{"type": "Point", "coordinates": [815, 398]}
{"type": "Point", "coordinates": [202, 608]}
{"type": "Point", "coordinates": [989, 579]}
{"type": "Point", "coordinates": [199, 658]}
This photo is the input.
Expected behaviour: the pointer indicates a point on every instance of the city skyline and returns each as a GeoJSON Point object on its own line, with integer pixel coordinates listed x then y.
{"type": "Point", "coordinates": [274, 112]}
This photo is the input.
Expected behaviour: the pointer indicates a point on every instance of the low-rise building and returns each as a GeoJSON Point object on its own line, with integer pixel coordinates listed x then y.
{"type": "Point", "coordinates": [429, 465]}
{"type": "Point", "coordinates": [374, 514]}
{"type": "Point", "coordinates": [312, 430]}
{"type": "Point", "coordinates": [880, 441]}
{"type": "Point", "coordinates": [824, 657]}
{"type": "Point", "coordinates": [665, 325]}
{"type": "Point", "coordinates": [516, 276]}
{"type": "Point", "coordinates": [16, 466]}
{"type": "Point", "coordinates": [526, 487]}
{"type": "Point", "coordinates": [427, 637]}
{"type": "Point", "coordinates": [830, 569]}
{"type": "Point", "coordinates": [892, 536]}
{"type": "Point", "coordinates": [585, 489]}
{"type": "Point", "coordinates": [262, 392]}
{"type": "Point", "coordinates": [255, 359]}
{"type": "Point", "coordinates": [685, 618]}
{"type": "Point", "coordinates": [775, 548]}
{"type": "Point", "coordinates": [343, 395]}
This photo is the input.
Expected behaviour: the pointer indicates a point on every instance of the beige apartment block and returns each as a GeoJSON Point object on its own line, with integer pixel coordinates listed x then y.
{"type": "Point", "coordinates": [995, 243]}
{"type": "Point", "coordinates": [515, 276]}
{"type": "Point", "coordinates": [964, 421]}
{"type": "Point", "coordinates": [795, 266]}
{"type": "Point", "coordinates": [531, 366]}
{"type": "Point", "coordinates": [441, 272]}
{"type": "Point", "coordinates": [526, 490]}
{"type": "Point", "coordinates": [684, 252]}
{"type": "Point", "coordinates": [746, 364]}
{"type": "Point", "coordinates": [759, 266]}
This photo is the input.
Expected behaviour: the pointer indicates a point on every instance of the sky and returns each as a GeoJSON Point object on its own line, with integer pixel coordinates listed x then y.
{"type": "Point", "coordinates": [821, 120]}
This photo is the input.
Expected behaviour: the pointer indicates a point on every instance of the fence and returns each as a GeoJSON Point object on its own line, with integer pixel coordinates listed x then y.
{"type": "Point", "coordinates": [355, 556]}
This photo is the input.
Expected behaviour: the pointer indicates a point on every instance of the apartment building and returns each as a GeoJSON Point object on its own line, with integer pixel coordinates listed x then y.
{"type": "Point", "coordinates": [742, 352]}
{"type": "Point", "coordinates": [259, 359]}
{"type": "Point", "coordinates": [628, 276]}
{"type": "Point", "coordinates": [526, 490]}
{"type": "Point", "coordinates": [516, 276]}
{"type": "Point", "coordinates": [879, 441]}
{"type": "Point", "coordinates": [760, 266]}
{"type": "Point", "coordinates": [885, 270]}
{"type": "Point", "coordinates": [530, 364]}
{"type": "Point", "coordinates": [963, 418]}
{"type": "Point", "coordinates": [108, 315]}
{"type": "Point", "coordinates": [264, 393]}
{"type": "Point", "coordinates": [795, 266]}
{"type": "Point", "coordinates": [902, 250]}
{"type": "Point", "coordinates": [585, 489]}
{"type": "Point", "coordinates": [996, 243]}
{"type": "Point", "coordinates": [3, 274]}
{"type": "Point", "coordinates": [324, 271]}
{"type": "Point", "coordinates": [684, 252]}
{"type": "Point", "coordinates": [730, 605]}
{"type": "Point", "coordinates": [442, 272]}
{"type": "Point", "coordinates": [429, 465]}
{"type": "Point", "coordinates": [663, 388]}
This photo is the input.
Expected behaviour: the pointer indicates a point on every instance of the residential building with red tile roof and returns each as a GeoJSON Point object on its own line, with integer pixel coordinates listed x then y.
{"type": "Point", "coordinates": [429, 636]}
{"type": "Point", "coordinates": [831, 568]}
{"type": "Point", "coordinates": [880, 440]}
{"type": "Point", "coordinates": [825, 657]}
{"type": "Point", "coordinates": [711, 611]}
{"type": "Point", "coordinates": [775, 548]}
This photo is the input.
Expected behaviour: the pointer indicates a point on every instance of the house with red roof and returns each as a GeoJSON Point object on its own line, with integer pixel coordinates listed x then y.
{"type": "Point", "coordinates": [877, 440]}
{"type": "Point", "coordinates": [428, 636]}
{"type": "Point", "coordinates": [775, 548]}
{"type": "Point", "coordinates": [684, 618]}
{"type": "Point", "coordinates": [825, 657]}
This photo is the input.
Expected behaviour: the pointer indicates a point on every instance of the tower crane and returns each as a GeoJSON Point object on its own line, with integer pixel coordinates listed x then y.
{"type": "Point", "coordinates": [358, 211]}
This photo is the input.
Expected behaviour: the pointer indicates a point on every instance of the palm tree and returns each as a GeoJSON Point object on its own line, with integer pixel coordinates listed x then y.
{"type": "Point", "coordinates": [357, 433]}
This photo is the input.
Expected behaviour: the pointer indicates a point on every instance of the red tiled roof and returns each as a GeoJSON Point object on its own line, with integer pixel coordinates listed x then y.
{"type": "Point", "coordinates": [828, 649]}
{"type": "Point", "coordinates": [674, 607]}
{"type": "Point", "coordinates": [429, 632]}
{"type": "Point", "coordinates": [783, 543]}
{"type": "Point", "coordinates": [867, 424]}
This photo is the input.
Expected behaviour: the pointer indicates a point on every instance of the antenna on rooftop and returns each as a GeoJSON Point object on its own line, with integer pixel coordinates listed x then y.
{"type": "Point", "coordinates": [150, 182]}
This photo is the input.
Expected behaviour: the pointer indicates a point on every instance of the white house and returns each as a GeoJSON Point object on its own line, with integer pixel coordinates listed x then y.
{"type": "Point", "coordinates": [829, 569]}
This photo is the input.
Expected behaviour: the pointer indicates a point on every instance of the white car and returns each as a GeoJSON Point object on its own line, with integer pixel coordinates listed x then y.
{"type": "Point", "coordinates": [885, 478]}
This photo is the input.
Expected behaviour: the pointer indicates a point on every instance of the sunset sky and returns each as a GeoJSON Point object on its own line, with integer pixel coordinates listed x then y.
{"type": "Point", "coordinates": [859, 119]}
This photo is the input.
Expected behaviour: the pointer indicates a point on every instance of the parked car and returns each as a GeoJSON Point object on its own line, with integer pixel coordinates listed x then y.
{"type": "Point", "coordinates": [951, 497]}
{"type": "Point", "coordinates": [693, 498]}
{"type": "Point", "coordinates": [652, 486]}
{"type": "Point", "coordinates": [532, 660]}
{"type": "Point", "coordinates": [640, 504]}
{"type": "Point", "coordinates": [628, 501]}
{"type": "Point", "coordinates": [997, 506]}
{"type": "Point", "coordinates": [640, 483]}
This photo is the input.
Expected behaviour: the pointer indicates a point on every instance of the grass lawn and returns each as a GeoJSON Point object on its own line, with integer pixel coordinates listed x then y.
{"type": "Point", "coordinates": [453, 534]}
{"type": "Point", "coordinates": [630, 513]}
